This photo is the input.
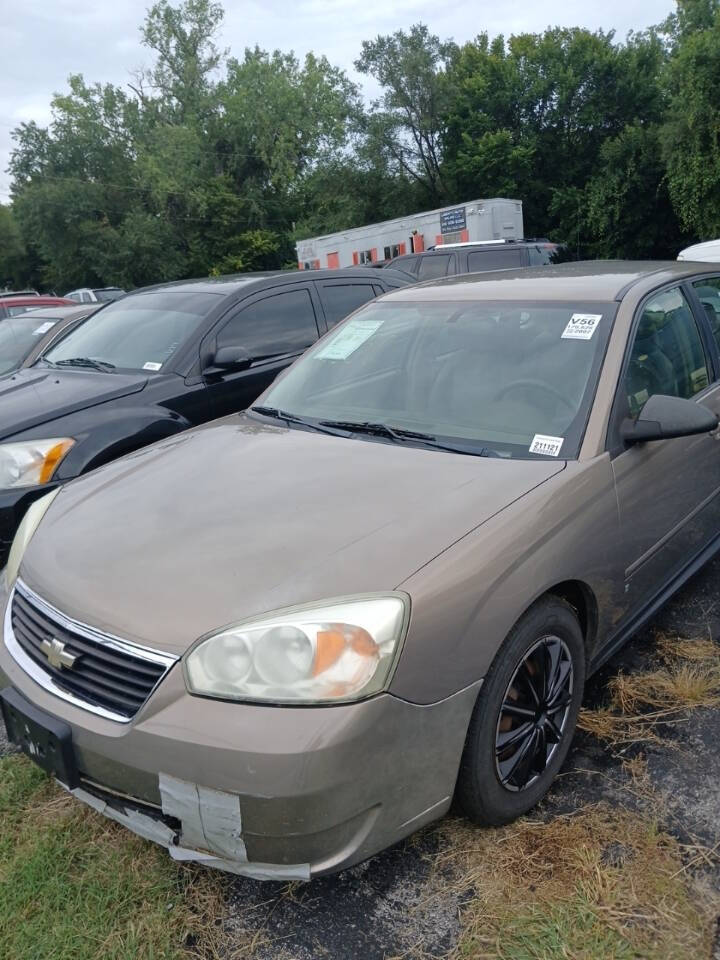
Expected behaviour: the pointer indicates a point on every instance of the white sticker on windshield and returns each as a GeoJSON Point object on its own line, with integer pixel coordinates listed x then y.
{"type": "Point", "coordinates": [44, 327]}
{"type": "Point", "coordinates": [151, 366]}
{"type": "Point", "coordinates": [581, 326]}
{"type": "Point", "coordinates": [547, 446]}
{"type": "Point", "coordinates": [348, 339]}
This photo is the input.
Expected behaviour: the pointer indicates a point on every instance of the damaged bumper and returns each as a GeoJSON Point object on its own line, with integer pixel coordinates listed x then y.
{"type": "Point", "coordinates": [263, 791]}
{"type": "Point", "coordinates": [211, 817]}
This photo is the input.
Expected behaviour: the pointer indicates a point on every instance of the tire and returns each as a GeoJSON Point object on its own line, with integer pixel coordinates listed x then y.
{"type": "Point", "coordinates": [498, 782]}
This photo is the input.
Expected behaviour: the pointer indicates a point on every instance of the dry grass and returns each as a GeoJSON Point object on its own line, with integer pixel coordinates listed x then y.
{"type": "Point", "coordinates": [604, 882]}
{"type": "Point", "coordinates": [599, 883]}
{"type": "Point", "coordinates": [688, 677]}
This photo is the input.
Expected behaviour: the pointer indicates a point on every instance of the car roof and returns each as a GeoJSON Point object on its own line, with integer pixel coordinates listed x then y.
{"type": "Point", "coordinates": [232, 283]}
{"type": "Point", "coordinates": [505, 243]}
{"type": "Point", "coordinates": [40, 299]}
{"type": "Point", "coordinates": [600, 280]}
{"type": "Point", "coordinates": [60, 313]}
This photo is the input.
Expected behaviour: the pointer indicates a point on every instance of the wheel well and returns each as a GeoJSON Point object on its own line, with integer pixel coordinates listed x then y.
{"type": "Point", "coordinates": [582, 600]}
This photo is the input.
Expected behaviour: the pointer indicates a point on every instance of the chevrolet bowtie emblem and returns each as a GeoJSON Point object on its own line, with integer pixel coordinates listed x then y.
{"type": "Point", "coordinates": [57, 657]}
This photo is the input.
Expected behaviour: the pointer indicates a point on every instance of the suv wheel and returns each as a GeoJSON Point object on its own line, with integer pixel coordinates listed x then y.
{"type": "Point", "coordinates": [525, 716]}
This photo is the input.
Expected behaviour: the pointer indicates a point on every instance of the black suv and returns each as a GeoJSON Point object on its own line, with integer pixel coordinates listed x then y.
{"type": "Point", "coordinates": [156, 362]}
{"type": "Point", "coordinates": [448, 260]}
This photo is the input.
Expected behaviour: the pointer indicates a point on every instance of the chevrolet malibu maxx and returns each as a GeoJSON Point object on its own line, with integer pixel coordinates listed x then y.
{"type": "Point", "coordinates": [284, 640]}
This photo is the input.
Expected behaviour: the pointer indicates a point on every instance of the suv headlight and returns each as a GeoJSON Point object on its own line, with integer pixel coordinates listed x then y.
{"type": "Point", "coordinates": [28, 525]}
{"type": "Point", "coordinates": [31, 462]}
{"type": "Point", "coordinates": [329, 652]}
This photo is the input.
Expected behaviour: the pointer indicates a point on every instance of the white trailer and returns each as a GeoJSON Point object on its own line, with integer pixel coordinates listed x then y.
{"type": "Point", "coordinates": [494, 219]}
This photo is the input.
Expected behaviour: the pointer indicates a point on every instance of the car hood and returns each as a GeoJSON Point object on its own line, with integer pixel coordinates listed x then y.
{"type": "Point", "coordinates": [36, 395]}
{"type": "Point", "coordinates": [239, 518]}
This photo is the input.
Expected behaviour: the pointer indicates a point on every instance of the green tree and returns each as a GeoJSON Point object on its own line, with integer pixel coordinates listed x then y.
{"type": "Point", "coordinates": [531, 114]}
{"type": "Point", "coordinates": [14, 267]}
{"type": "Point", "coordinates": [628, 208]}
{"type": "Point", "coordinates": [408, 121]}
{"type": "Point", "coordinates": [691, 134]}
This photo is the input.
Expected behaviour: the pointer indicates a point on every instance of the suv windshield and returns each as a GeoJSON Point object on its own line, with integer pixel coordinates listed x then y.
{"type": "Point", "coordinates": [140, 332]}
{"type": "Point", "coordinates": [514, 379]}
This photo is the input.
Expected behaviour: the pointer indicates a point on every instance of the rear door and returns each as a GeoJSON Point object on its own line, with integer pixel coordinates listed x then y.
{"type": "Point", "coordinates": [340, 297]}
{"type": "Point", "coordinates": [668, 491]}
{"type": "Point", "coordinates": [273, 327]}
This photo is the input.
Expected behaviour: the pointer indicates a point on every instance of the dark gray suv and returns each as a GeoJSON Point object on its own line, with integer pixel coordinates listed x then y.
{"type": "Point", "coordinates": [451, 259]}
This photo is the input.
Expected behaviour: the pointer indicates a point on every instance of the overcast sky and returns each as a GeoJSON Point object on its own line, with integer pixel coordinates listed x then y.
{"type": "Point", "coordinates": [45, 40]}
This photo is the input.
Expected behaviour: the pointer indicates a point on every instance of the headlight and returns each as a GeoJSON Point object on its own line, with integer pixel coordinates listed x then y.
{"type": "Point", "coordinates": [31, 462]}
{"type": "Point", "coordinates": [28, 525]}
{"type": "Point", "coordinates": [336, 651]}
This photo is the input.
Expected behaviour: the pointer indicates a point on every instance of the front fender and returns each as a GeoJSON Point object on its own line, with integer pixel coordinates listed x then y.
{"type": "Point", "coordinates": [105, 435]}
{"type": "Point", "coordinates": [465, 602]}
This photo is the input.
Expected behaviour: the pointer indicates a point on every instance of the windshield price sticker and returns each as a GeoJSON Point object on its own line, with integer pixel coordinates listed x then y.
{"type": "Point", "coordinates": [43, 328]}
{"type": "Point", "coordinates": [581, 326]}
{"type": "Point", "coordinates": [348, 339]}
{"type": "Point", "coordinates": [547, 446]}
{"type": "Point", "coordinates": [151, 366]}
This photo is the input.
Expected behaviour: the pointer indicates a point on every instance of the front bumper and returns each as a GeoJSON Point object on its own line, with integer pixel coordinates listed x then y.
{"type": "Point", "coordinates": [13, 505]}
{"type": "Point", "coordinates": [264, 791]}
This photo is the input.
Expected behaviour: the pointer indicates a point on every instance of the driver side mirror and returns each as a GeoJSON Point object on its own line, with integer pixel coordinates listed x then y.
{"type": "Point", "coordinates": [229, 358]}
{"type": "Point", "coordinates": [663, 418]}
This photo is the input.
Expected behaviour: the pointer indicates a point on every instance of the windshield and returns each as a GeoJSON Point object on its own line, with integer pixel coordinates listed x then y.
{"type": "Point", "coordinates": [20, 335]}
{"type": "Point", "coordinates": [140, 332]}
{"type": "Point", "coordinates": [515, 379]}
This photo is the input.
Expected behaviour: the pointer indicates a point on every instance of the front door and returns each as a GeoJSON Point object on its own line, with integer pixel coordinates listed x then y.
{"type": "Point", "coordinates": [669, 490]}
{"type": "Point", "coordinates": [273, 328]}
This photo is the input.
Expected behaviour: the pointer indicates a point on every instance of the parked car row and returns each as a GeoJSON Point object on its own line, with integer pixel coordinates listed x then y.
{"type": "Point", "coordinates": [95, 294]}
{"type": "Point", "coordinates": [156, 362]}
{"type": "Point", "coordinates": [14, 304]}
{"type": "Point", "coordinates": [25, 337]}
{"type": "Point", "coordinates": [280, 641]}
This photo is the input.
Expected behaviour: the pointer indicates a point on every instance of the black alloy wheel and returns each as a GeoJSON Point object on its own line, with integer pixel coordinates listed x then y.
{"type": "Point", "coordinates": [534, 713]}
{"type": "Point", "coordinates": [525, 715]}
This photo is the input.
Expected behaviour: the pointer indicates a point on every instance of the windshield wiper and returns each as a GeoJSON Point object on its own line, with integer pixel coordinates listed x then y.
{"type": "Point", "coordinates": [94, 364]}
{"type": "Point", "coordinates": [400, 435]}
{"type": "Point", "coordinates": [276, 414]}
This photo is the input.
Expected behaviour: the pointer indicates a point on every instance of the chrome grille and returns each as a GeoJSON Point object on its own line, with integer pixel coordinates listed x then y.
{"type": "Point", "coordinates": [109, 676]}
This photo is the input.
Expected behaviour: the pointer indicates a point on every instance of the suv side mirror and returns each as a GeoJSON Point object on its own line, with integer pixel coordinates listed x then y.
{"type": "Point", "coordinates": [229, 358]}
{"type": "Point", "coordinates": [662, 418]}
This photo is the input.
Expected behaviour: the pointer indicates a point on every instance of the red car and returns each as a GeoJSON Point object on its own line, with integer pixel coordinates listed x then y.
{"type": "Point", "coordinates": [11, 306]}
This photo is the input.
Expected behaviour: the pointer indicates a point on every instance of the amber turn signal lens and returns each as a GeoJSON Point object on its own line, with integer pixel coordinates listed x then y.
{"type": "Point", "coordinates": [331, 644]}
{"type": "Point", "coordinates": [52, 459]}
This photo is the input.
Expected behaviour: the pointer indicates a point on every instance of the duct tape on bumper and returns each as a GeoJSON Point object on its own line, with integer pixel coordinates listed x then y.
{"type": "Point", "coordinates": [210, 820]}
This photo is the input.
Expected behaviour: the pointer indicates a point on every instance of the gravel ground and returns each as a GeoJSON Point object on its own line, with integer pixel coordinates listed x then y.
{"type": "Point", "coordinates": [381, 909]}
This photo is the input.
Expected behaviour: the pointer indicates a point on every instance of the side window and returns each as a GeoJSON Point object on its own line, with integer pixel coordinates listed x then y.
{"type": "Point", "coordinates": [406, 263]}
{"type": "Point", "coordinates": [479, 260]}
{"type": "Point", "coordinates": [340, 299]}
{"type": "Point", "coordinates": [283, 323]}
{"type": "Point", "coordinates": [433, 266]}
{"type": "Point", "coordinates": [667, 354]}
{"type": "Point", "coordinates": [708, 292]}
{"type": "Point", "coordinates": [538, 256]}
